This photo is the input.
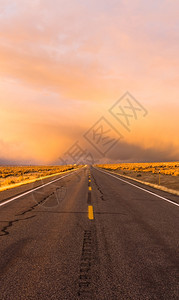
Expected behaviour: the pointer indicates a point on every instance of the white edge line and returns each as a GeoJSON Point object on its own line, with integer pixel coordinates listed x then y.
{"type": "Point", "coordinates": [37, 188]}
{"type": "Point", "coordinates": [147, 191]}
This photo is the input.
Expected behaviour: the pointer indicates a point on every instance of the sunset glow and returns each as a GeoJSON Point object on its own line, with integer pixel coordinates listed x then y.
{"type": "Point", "coordinates": [64, 64]}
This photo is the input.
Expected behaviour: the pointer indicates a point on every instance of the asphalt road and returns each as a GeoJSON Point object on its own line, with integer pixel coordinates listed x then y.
{"type": "Point", "coordinates": [88, 238]}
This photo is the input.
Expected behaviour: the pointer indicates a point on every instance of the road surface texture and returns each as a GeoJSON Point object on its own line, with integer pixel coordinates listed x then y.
{"type": "Point", "coordinates": [88, 237]}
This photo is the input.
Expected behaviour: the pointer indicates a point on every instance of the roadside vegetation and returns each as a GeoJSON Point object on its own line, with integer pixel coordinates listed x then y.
{"type": "Point", "coordinates": [167, 168]}
{"type": "Point", "coordinates": [164, 174]}
{"type": "Point", "coordinates": [12, 176]}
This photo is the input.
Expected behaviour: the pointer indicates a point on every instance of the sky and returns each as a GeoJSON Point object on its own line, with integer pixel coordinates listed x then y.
{"type": "Point", "coordinates": [64, 65]}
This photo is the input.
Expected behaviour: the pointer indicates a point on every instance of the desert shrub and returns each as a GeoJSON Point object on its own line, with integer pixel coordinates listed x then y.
{"type": "Point", "coordinates": [167, 168]}
{"type": "Point", "coordinates": [10, 175]}
{"type": "Point", "coordinates": [176, 173]}
{"type": "Point", "coordinates": [12, 181]}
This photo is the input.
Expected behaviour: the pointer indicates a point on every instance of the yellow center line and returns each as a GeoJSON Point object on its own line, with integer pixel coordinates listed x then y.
{"type": "Point", "coordinates": [89, 188]}
{"type": "Point", "coordinates": [90, 212]}
{"type": "Point", "coordinates": [89, 180]}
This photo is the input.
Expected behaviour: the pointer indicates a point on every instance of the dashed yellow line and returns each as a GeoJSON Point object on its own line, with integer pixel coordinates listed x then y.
{"type": "Point", "coordinates": [89, 180]}
{"type": "Point", "coordinates": [90, 212]}
{"type": "Point", "coordinates": [89, 188]}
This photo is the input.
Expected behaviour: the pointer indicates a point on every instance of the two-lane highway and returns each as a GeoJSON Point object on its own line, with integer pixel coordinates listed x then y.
{"type": "Point", "coordinates": [88, 235]}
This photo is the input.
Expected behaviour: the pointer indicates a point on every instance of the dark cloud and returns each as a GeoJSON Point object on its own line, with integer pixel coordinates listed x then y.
{"type": "Point", "coordinates": [11, 162]}
{"type": "Point", "coordinates": [124, 152]}
{"type": "Point", "coordinates": [135, 153]}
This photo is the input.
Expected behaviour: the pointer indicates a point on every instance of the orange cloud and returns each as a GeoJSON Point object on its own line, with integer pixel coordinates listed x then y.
{"type": "Point", "coordinates": [63, 65]}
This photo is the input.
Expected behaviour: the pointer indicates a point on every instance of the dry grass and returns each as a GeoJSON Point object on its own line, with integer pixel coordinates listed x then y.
{"type": "Point", "coordinates": [11, 176]}
{"type": "Point", "coordinates": [161, 174]}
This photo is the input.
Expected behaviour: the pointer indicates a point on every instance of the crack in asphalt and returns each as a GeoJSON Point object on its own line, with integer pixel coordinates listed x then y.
{"type": "Point", "coordinates": [101, 193]}
{"type": "Point", "coordinates": [10, 223]}
{"type": "Point", "coordinates": [39, 202]}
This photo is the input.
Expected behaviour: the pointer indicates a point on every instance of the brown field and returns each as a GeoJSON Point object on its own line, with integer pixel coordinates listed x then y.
{"type": "Point", "coordinates": [157, 174]}
{"type": "Point", "coordinates": [11, 176]}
